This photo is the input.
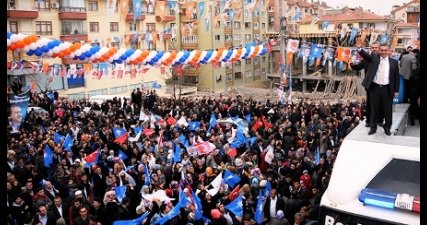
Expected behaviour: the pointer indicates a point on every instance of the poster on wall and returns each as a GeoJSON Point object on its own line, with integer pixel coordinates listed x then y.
{"type": "Point", "coordinates": [18, 110]}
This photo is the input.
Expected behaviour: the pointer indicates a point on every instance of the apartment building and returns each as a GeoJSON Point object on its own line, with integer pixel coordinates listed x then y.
{"type": "Point", "coordinates": [163, 26]}
{"type": "Point", "coordinates": [408, 12]}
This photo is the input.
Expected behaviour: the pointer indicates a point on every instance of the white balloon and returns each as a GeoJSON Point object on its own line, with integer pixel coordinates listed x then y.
{"type": "Point", "coordinates": [203, 55]}
{"type": "Point", "coordinates": [78, 52]}
{"type": "Point", "coordinates": [33, 46]}
{"type": "Point", "coordinates": [9, 42]}
{"type": "Point", "coordinates": [178, 56]}
{"type": "Point", "coordinates": [26, 48]}
{"type": "Point", "coordinates": [56, 50]}
{"type": "Point", "coordinates": [72, 55]}
{"type": "Point", "coordinates": [50, 52]}
{"type": "Point", "coordinates": [14, 38]}
{"type": "Point", "coordinates": [214, 53]}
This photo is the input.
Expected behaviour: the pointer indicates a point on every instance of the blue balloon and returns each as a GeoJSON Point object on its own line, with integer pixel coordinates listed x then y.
{"type": "Point", "coordinates": [38, 52]}
{"type": "Point", "coordinates": [94, 49]}
{"type": "Point", "coordinates": [51, 44]}
{"type": "Point", "coordinates": [45, 48]}
{"type": "Point", "coordinates": [123, 57]}
{"type": "Point", "coordinates": [76, 58]}
{"type": "Point", "coordinates": [82, 57]}
{"type": "Point", "coordinates": [30, 52]}
{"type": "Point", "coordinates": [9, 34]}
{"type": "Point", "coordinates": [87, 54]}
{"type": "Point", "coordinates": [119, 61]}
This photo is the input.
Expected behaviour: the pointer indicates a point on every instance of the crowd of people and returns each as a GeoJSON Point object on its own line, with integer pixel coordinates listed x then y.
{"type": "Point", "coordinates": [69, 192]}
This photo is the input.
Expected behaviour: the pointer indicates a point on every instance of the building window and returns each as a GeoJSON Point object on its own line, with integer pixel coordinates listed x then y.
{"type": "Point", "coordinates": [11, 4]}
{"type": "Point", "coordinates": [151, 45]}
{"type": "Point", "coordinates": [191, 79]}
{"type": "Point", "coordinates": [248, 61]}
{"type": "Point", "coordinates": [238, 63]}
{"type": "Point", "coordinates": [73, 27]}
{"type": "Point", "coordinates": [264, 59]}
{"type": "Point", "coordinates": [119, 89]}
{"type": "Point", "coordinates": [43, 5]}
{"type": "Point", "coordinates": [263, 71]}
{"type": "Point", "coordinates": [94, 27]}
{"type": "Point", "coordinates": [248, 74]}
{"type": "Point", "coordinates": [72, 5]}
{"type": "Point", "coordinates": [13, 26]}
{"type": "Point", "coordinates": [114, 26]}
{"type": "Point", "coordinates": [43, 27]}
{"type": "Point", "coordinates": [237, 37]}
{"type": "Point", "coordinates": [151, 27]}
{"type": "Point", "coordinates": [263, 25]}
{"type": "Point", "coordinates": [228, 37]}
{"type": "Point", "coordinates": [237, 25]}
{"type": "Point", "coordinates": [371, 25]}
{"type": "Point", "coordinates": [217, 37]}
{"type": "Point", "coordinates": [248, 37]}
{"type": "Point", "coordinates": [93, 5]}
{"type": "Point", "coordinates": [238, 75]}
{"type": "Point", "coordinates": [103, 91]}
{"type": "Point", "coordinates": [132, 26]}
{"type": "Point", "coordinates": [256, 25]}
{"type": "Point", "coordinates": [248, 25]}
{"type": "Point", "coordinates": [229, 77]}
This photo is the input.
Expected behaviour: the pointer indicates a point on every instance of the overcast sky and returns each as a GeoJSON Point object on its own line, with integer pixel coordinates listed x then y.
{"type": "Point", "coordinates": [379, 7]}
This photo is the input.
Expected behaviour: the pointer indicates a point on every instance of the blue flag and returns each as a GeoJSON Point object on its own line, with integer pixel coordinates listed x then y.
{"type": "Point", "coordinates": [231, 179]}
{"type": "Point", "coordinates": [50, 96]}
{"type": "Point", "coordinates": [68, 143]}
{"type": "Point", "coordinates": [267, 188]}
{"type": "Point", "coordinates": [259, 210]}
{"type": "Point", "coordinates": [177, 153]}
{"type": "Point", "coordinates": [48, 156]}
{"type": "Point", "coordinates": [42, 183]}
{"type": "Point", "coordinates": [136, 221]}
{"type": "Point", "coordinates": [193, 125]}
{"type": "Point", "coordinates": [147, 176]}
{"type": "Point", "coordinates": [118, 132]}
{"type": "Point", "coordinates": [236, 206]}
{"type": "Point", "coordinates": [122, 155]}
{"type": "Point", "coordinates": [138, 129]}
{"type": "Point", "coordinates": [198, 215]}
{"type": "Point", "coordinates": [248, 118]}
{"type": "Point", "coordinates": [212, 122]}
{"type": "Point", "coordinates": [57, 138]}
{"type": "Point", "coordinates": [175, 211]}
{"type": "Point", "coordinates": [317, 156]}
{"type": "Point", "coordinates": [120, 192]}
{"type": "Point", "coordinates": [183, 140]}
{"type": "Point", "coordinates": [156, 85]}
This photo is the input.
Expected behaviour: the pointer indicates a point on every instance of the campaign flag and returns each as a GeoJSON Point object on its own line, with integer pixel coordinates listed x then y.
{"type": "Point", "coordinates": [18, 110]}
{"type": "Point", "coordinates": [257, 124]}
{"type": "Point", "coordinates": [317, 156]}
{"type": "Point", "coordinates": [120, 192]}
{"type": "Point", "coordinates": [148, 131]}
{"type": "Point", "coordinates": [198, 214]}
{"type": "Point", "coordinates": [248, 117]}
{"type": "Point", "coordinates": [171, 121]}
{"type": "Point", "coordinates": [91, 159]}
{"type": "Point", "coordinates": [68, 143]}
{"type": "Point", "coordinates": [234, 193]}
{"type": "Point", "coordinates": [259, 210]}
{"type": "Point", "coordinates": [143, 116]}
{"type": "Point", "coordinates": [57, 138]}
{"type": "Point", "coordinates": [231, 179]}
{"type": "Point", "coordinates": [122, 155]}
{"type": "Point", "coordinates": [203, 148]}
{"type": "Point", "coordinates": [212, 122]}
{"type": "Point", "coordinates": [193, 125]}
{"type": "Point", "coordinates": [136, 221]}
{"type": "Point", "coordinates": [48, 156]}
{"type": "Point", "coordinates": [175, 211]}
{"type": "Point", "coordinates": [182, 121]}
{"type": "Point", "coordinates": [233, 152]}
{"type": "Point", "coordinates": [138, 132]}
{"type": "Point", "coordinates": [120, 134]}
{"type": "Point", "coordinates": [266, 124]}
{"type": "Point", "coordinates": [50, 96]}
{"type": "Point", "coordinates": [236, 206]}
{"type": "Point", "coordinates": [177, 153]}
{"type": "Point", "coordinates": [147, 176]}
{"type": "Point", "coordinates": [183, 140]}
{"type": "Point", "coordinates": [42, 183]}
{"type": "Point", "coordinates": [267, 188]}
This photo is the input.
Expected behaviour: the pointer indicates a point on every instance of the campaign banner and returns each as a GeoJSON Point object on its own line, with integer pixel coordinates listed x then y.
{"type": "Point", "coordinates": [18, 110]}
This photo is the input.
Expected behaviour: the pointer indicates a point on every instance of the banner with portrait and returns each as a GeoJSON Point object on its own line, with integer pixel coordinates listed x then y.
{"type": "Point", "coordinates": [18, 110]}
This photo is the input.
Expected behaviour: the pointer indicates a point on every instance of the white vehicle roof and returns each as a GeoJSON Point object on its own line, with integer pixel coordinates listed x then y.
{"type": "Point", "coordinates": [361, 163]}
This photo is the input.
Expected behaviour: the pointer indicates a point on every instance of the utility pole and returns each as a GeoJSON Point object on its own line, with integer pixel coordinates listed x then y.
{"type": "Point", "coordinates": [282, 44]}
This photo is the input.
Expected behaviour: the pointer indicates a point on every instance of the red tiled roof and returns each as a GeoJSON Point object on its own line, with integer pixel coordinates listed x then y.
{"type": "Point", "coordinates": [351, 15]}
{"type": "Point", "coordinates": [404, 5]}
{"type": "Point", "coordinates": [402, 24]}
{"type": "Point", "coordinates": [304, 4]}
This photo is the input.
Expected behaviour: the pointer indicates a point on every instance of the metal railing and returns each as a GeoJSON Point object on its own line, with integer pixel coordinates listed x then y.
{"type": "Point", "coordinates": [72, 9]}
{"type": "Point", "coordinates": [189, 39]}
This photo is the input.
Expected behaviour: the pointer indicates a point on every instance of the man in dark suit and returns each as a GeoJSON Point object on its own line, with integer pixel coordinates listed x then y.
{"type": "Point", "coordinates": [272, 205]}
{"type": "Point", "coordinates": [59, 209]}
{"type": "Point", "coordinates": [382, 82]}
{"type": "Point", "coordinates": [44, 217]}
{"type": "Point", "coordinates": [364, 64]}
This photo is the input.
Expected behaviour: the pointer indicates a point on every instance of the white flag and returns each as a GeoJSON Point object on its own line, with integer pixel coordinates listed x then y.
{"type": "Point", "coordinates": [182, 121]}
{"type": "Point", "coordinates": [143, 116]}
{"type": "Point", "coordinates": [136, 138]}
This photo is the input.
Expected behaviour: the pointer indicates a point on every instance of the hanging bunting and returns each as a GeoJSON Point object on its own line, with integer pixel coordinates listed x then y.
{"type": "Point", "coordinates": [325, 25]}
{"type": "Point", "coordinates": [137, 9]}
{"type": "Point", "coordinates": [111, 7]}
{"type": "Point", "coordinates": [124, 8]}
{"type": "Point", "coordinates": [353, 35]}
{"type": "Point", "coordinates": [201, 9]}
{"type": "Point", "coordinates": [384, 39]}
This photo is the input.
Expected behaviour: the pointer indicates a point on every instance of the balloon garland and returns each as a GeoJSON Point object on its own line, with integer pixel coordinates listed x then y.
{"type": "Point", "coordinates": [32, 45]}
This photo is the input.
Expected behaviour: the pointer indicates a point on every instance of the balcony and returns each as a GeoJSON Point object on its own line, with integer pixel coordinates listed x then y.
{"type": "Point", "coordinates": [22, 14]}
{"type": "Point", "coordinates": [74, 37]}
{"type": "Point", "coordinates": [72, 13]}
{"type": "Point", "coordinates": [165, 35]}
{"type": "Point", "coordinates": [164, 19]}
{"type": "Point", "coordinates": [130, 17]}
{"type": "Point", "coordinates": [132, 36]}
{"type": "Point", "coordinates": [189, 42]}
{"type": "Point", "coordinates": [191, 72]}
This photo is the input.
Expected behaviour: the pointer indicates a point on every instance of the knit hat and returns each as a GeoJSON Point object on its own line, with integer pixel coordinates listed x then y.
{"type": "Point", "coordinates": [280, 214]}
{"type": "Point", "coordinates": [215, 213]}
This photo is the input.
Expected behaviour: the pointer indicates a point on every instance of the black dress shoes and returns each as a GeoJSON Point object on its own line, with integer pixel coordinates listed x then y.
{"type": "Point", "coordinates": [367, 124]}
{"type": "Point", "coordinates": [387, 132]}
{"type": "Point", "coordinates": [371, 132]}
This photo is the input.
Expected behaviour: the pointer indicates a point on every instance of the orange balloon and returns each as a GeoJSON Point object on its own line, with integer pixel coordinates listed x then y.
{"type": "Point", "coordinates": [27, 40]}
{"type": "Point", "coordinates": [20, 44]}
{"type": "Point", "coordinates": [61, 55]}
{"type": "Point", "coordinates": [67, 51]}
{"type": "Point", "coordinates": [12, 47]}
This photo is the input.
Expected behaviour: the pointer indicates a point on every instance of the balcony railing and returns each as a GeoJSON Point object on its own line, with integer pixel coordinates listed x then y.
{"type": "Point", "coordinates": [72, 9]}
{"type": "Point", "coordinates": [190, 39]}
